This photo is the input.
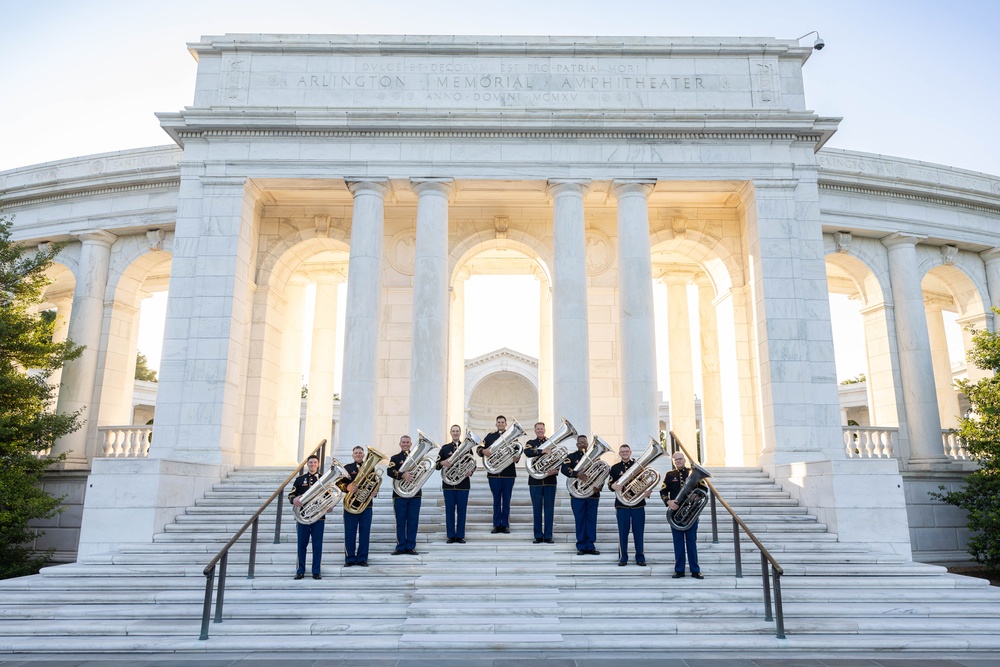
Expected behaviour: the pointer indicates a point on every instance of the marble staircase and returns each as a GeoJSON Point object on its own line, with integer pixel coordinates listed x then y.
{"type": "Point", "coordinates": [498, 592]}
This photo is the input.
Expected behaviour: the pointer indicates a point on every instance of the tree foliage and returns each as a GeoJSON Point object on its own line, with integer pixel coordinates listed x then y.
{"type": "Point", "coordinates": [142, 369]}
{"type": "Point", "coordinates": [28, 422]}
{"type": "Point", "coordinates": [980, 431]}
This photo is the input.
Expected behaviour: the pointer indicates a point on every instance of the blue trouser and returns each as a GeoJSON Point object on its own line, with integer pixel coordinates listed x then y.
{"type": "Point", "coordinates": [585, 515]}
{"type": "Point", "coordinates": [634, 519]}
{"type": "Point", "coordinates": [357, 531]}
{"type": "Point", "coordinates": [501, 487]}
{"type": "Point", "coordinates": [456, 502]}
{"type": "Point", "coordinates": [304, 533]}
{"type": "Point", "coordinates": [686, 538]}
{"type": "Point", "coordinates": [407, 516]}
{"type": "Point", "coordinates": [543, 501]}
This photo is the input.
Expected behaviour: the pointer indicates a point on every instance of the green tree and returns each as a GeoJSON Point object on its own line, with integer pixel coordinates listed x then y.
{"type": "Point", "coordinates": [980, 431]}
{"type": "Point", "coordinates": [28, 422]}
{"type": "Point", "coordinates": [142, 369]}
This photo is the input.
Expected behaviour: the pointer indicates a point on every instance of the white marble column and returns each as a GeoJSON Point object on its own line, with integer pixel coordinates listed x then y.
{"type": "Point", "coordinates": [915, 364]}
{"type": "Point", "coordinates": [545, 350]}
{"type": "Point", "coordinates": [635, 298]}
{"type": "Point", "coordinates": [60, 332]}
{"type": "Point", "coordinates": [885, 394]}
{"type": "Point", "coordinates": [456, 352]}
{"type": "Point", "coordinates": [570, 332]}
{"type": "Point", "coordinates": [682, 412]}
{"type": "Point", "coordinates": [322, 361]}
{"type": "Point", "coordinates": [429, 356]}
{"type": "Point", "coordinates": [991, 259]}
{"type": "Point", "coordinates": [289, 404]}
{"type": "Point", "coordinates": [713, 432]}
{"type": "Point", "coordinates": [947, 397]}
{"type": "Point", "coordinates": [80, 375]}
{"type": "Point", "coordinates": [359, 387]}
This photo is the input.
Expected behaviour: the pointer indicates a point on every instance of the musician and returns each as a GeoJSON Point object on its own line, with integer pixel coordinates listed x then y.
{"type": "Point", "coordinates": [407, 509]}
{"type": "Point", "coordinates": [629, 518]}
{"type": "Point", "coordinates": [456, 497]}
{"type": "Point", "coordinates": [584, 509]}
{"type": "Point", "coordinates": [543, 491]}
{"type": "Point", "coordinates": [357, 527]}
{"type": "Point", "coordinates": [673, 482]}
{"type": "Point", "coordinates": [306, 532]}
{"type": "Point", "coordinates": [501, 483]}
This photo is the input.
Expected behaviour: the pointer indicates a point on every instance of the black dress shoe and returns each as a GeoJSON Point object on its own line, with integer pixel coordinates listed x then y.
{"type": "Point", "coordinates": [678, 575]}
{"type": "Point", "coordinates": [506, 530]}
{"type": "Point", "coordinates": [317, 576]}
{"type": "Point", "coordinates": [363, 563]}
{"type": "Point", "coordinates": [581, 552]}
{"type": "Point", "coordinates": [412, 552]}
{"type": "Point", "coordinates": [496, 529]}
{"type": "Point", "coordinates": [549, 541]}
{"type": "Point", "coordinates": [460, 540]}
{"type": "Point", "coordinates": [451, 540]}
{"type": "Point", "coordinates": [537, 540]}
{"type": "Point", "coordinates": [398, 552]}
{"type": "Point", "coordinates": [622, 563]}
{"type": "Point", "coordinates": [594, 552]}
{"type": "Point", "coordinates": [641, 563]}
{"type": "Point", "coordinates": [349, 564]}
{"type": "Point", "coordinates": [697, 575]}
{"type": "Point", "coordinates": [299, 576]}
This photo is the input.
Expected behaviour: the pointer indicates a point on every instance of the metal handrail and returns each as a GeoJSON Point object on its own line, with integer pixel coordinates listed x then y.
{"type": "Point", "coordinates": [765, 555]}
{"type": "Point", "coordinates": [222, 558]}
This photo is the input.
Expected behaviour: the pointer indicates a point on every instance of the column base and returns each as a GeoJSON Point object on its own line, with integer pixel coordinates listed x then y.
{"type": "Point", "coordinates": [130, 500]}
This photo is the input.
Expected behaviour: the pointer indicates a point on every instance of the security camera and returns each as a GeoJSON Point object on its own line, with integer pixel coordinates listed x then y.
{"type": "Point", "coordinates": [819, 44]}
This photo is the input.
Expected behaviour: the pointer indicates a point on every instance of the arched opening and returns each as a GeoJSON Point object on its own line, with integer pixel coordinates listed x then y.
{"type": "Point", "coordinates": [502, 393]}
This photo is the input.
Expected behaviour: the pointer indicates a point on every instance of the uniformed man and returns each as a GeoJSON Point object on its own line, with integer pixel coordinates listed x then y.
{"type": "Point", "coordinates": [629, 518]}
{"type": "Point", "coordinates": [501, 483]}
{"type": "Point", "coordinates": [686, 540]}
{"type": "Point", "coordinates": [407, 509]}
{"type": "Point", "coordinates": [456, 497]}
{"type": "Point", "coordinates": [357, 527]}
{"type": "Point", "coordinates": [306, 532]}
{"type": "Point", "coordinates": [543, 491]}
{"type": "Point", "coordinates": [584, 509]}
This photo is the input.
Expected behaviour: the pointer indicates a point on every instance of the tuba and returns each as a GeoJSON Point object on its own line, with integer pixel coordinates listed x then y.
{"type": "Point", "coordinates": [597, 471]}
{"type": "Point", "coordinates": [463, 460]}
{"type": "Point", "coordinates": [321, 497]}
{"type": "Point", "coordinates": [366, 483]}
{"type": "Point", "coordinates": [691, 500]}
{"type": "Point", "coordinates": [421, 463]}
{"type": "Point", "coordinates": [540, 466]}
{"type": "Point", "coordinates": [641, 477]}
{"type": "Point", "coordinates": [504, 450]}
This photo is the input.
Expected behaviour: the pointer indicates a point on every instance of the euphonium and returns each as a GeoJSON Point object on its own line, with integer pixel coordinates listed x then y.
{"type": "Point", "coordinates": [366, 483]}
{"type": "Point", "coordinates": [540, 466]}
{"type": "Point", "coordinates": [463, 460]}
{"type": "Point", "coordinates": [691, 500]}
{"type": "Point", "coordinates": [421, 463]}
{"type": "Point", "coordinates": [321, 497]}
{"type": "Point", "coordinates": [504, 449]}
{"type": "Point", "coordinates": [597, 471]}
{"type": "Point", "coordinates": [641, 477]}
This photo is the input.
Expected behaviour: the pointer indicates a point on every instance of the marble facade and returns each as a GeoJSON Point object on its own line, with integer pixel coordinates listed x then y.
{"type": "Point", "coordinates": [607, 167]}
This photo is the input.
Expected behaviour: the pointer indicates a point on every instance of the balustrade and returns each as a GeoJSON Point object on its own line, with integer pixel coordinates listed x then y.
{"type": "Point", "coordinates": [125, 442]}
{"type": "Point", "coordinates": [871, 442]}
{"type": "Point", "coordinates": [954, 446]}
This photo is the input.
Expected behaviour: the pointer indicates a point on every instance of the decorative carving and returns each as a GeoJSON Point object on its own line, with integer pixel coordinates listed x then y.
{"type": "Point", "coordinates": [600, 252]}
{"type": "Point", "coordinates": [843, 240]}
{"type": "Point", "coordinates": [234, 79]}
{"type": "Point", "coordinates": [322, 226]}
{"type": "Point", "coordinates": [501, 223]}
{"type": "Point", "coordinates": [97, 167]}
{"type": "Point", "coordinates": [679, 225]}
{"type": "Point", "coordinates": [154, 237]}
{"type": "Point", "coordinates": [402, 252]}
{"type": "Point", "coordinates": [948, 254]}
{"type": "Point", "coordinates": [45, 247]}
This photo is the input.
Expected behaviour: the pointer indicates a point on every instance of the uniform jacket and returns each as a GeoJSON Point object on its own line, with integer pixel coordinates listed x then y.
{"type": "Point", "coordinates": [570, 462]}
{"type": "Point", "coordinates": [509, 471]}
{"type": "Point", "coordinates": [444, 454]}
{"type": "Point", "coordinates": [393, 471]}
{"type": "Point", "coordinates": [533, 448]}
{"type": "Point", "coordinates": [302, 484]}
{"type": "Point", "coordinates": [617, 470]}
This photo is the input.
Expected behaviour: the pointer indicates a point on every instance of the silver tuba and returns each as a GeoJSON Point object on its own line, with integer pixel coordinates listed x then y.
{"type": "Point", "coordinates": [421, 462]}
{"type": "Point", "coordinates": [366, 483]}
{"type": "Point", "coordinates": [321, 497]}
{"type": "Point", "coordinates": [691, 500]}
{"type": "Point", "coordinates": [597, 471]}
{"type": "Point", "coordinates": [504, 449]}
{"type": "Point", "coordinates": [641, 477]}
{"type": "Point", "coordinates": [463, 460]}
{"type": "Point", "coordinates": [540, 466]}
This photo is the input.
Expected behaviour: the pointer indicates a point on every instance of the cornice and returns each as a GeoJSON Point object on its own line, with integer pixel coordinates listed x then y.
{"type": "Point", "coordinates": [896, 194]}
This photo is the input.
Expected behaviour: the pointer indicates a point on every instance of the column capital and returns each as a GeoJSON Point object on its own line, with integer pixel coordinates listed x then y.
{"type": "Point", "coordinates": [369, 186]}
{"type": "Point", "coordinates": [557, 187]}
{"type": "Point", "coordinates": [632, 187]}
{"type": "Point", "coordinates": [96, 237]}
{"type": "Point", "coordinates": [428, 186]}
{"type": "Point", "coordinates": [991, 256]}
{"type": "Point", "coordinates": [901, 238]}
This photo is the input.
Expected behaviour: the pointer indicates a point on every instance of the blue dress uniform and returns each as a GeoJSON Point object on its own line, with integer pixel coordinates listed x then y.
{"type": "Point", "coordinates": [629, 518]}
{"type": "Point", "coordinates": [357, 527]}
{"type": "Point", "coordinates": [407, 510]}
{"type": "Point", "coordinates": [673, 482]}
{"type": "Point", "coordinates": [305, 533]}
{"type": "Point", "coordinates": [501, 486]}
{"type": "Point", "coordinates": [543, 494]}
{"type": "Point", "coordinates": [584, 509]}
{"type": "Point", "coordinates": [456, 498]}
